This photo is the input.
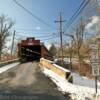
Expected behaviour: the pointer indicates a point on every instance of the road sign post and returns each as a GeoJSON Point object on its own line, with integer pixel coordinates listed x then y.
{"type": "Point", "coordinates": [96, 84]}
{"type": "Point", "coordinates": [94, 59]}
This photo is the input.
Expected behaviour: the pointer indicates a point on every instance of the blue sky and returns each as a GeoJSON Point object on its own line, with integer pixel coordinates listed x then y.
{"type": "Point", "coordinates": [47, 10]}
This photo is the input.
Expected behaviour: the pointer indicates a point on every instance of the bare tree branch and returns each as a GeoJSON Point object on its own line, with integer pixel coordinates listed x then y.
{"type": "Point", "coordinates": [5, 26]}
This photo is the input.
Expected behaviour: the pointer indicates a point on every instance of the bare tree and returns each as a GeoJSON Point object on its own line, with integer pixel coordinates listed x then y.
{"type": "Point", "coordinates": [79, 39]}
{"type": "Point", "coordinates": [70, 48]}
{"type": "Point", "coordinates": [5, 26]}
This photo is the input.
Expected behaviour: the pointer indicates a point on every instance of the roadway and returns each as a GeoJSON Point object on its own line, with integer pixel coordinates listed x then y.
{"type": "Point", "coordinates": [26, 82]}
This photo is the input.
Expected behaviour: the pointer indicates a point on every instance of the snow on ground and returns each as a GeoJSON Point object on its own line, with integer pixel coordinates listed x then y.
{"type": "Point", "coordinates": [84, 81]}
{"type": "Point", "coordinates": [77, 92]}
{"type": "Point", "coordinates": [5, 68]}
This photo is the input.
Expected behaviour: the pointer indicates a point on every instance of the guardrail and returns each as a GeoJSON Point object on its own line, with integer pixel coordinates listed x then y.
{"type": "Point", "coordinates": [8, 62]}
{"type": "Point", "coordinates": [64, 73]}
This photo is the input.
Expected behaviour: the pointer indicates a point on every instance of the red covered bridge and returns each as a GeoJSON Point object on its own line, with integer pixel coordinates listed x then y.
{"type": "Point", "coordinates": [32, 49]}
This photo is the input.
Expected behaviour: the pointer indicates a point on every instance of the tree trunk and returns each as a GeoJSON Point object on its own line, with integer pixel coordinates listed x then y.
{"type": "Point", "coordinates": [0, 52]}
{"type": "Point", "coordinates": [70, 59]}
{"type": "Point", "coordinates": [79, 58]}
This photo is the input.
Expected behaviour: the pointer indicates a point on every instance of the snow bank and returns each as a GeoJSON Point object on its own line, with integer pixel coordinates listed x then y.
{"type": "Point", "coordinates": [5, 68]}
{"type": "Point", "coordinates": [76, 92]}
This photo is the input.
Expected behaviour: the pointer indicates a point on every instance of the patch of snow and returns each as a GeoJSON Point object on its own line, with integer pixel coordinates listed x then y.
{"type": "Point", "coordinates": [5, 68]}
{"type": "Point", "coordinates": [77, 92]}
{"type": "Point", "coordinates": [67, 60]}
{"type": "Point", "coordinates": [87, 61]}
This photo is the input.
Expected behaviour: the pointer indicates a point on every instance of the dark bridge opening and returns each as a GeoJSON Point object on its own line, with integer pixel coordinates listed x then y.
{"type": "Point", "coordinates": [30, 53]}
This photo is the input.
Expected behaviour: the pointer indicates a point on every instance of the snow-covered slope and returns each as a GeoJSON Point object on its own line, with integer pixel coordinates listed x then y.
{"type": "Point", "coordinates": [77, 92]}
{"type": "Point", "coordinates": [84, 81]}
{"type": "Point", "coordinates": [5, 68]}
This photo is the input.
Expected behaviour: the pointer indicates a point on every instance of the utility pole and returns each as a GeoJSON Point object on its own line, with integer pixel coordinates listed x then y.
{"type": "Point", "coordinates": [60, 21]}
{"type": "Point", "coordinates": [12, 43]}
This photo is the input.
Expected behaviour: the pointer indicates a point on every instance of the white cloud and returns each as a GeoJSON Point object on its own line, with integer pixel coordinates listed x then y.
{"type": "Point", "coordinates": [94, 25]}
{"type": "Point", "coordinates": [94, 20]}
{"type": "Point", "coordinates": [38, 28]}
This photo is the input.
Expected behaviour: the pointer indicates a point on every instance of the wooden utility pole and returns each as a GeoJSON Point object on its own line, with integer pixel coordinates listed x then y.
{"type": "Point", "coordinates": [60, 21]}
{"type": "Point", "coordinates": [13, 43]}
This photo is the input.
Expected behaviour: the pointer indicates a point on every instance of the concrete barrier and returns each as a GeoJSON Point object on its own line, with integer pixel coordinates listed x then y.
{"type": "Point", "coordinates": [64, 73]}
{"type": "Point", "coordinates": [8, 62]}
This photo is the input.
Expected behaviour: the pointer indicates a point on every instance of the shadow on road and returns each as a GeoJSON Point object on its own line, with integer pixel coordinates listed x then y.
{"type": "Point", "coordinates": [30, 96]}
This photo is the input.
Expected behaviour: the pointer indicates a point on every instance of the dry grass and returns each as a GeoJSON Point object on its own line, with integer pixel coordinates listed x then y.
{"type": "Point", "coordinates": [84, 70]}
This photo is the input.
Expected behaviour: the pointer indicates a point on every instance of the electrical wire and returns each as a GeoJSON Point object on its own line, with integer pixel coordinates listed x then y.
{"type": "Point", "coordinates": [23, 29]}
{"type": "Point", "coordinates": [76, 14]}
{"type": "Point", "coordinates": [45, 36]}
{"type": "Point", "coordinates": [42, 36]}
{"type": "Point", "coordinates": [33, 15]}
{"type": "Point", "coordinates": [50, 38]}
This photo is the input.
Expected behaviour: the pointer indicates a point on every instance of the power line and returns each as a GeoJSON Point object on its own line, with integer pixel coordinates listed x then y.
{"type": "Point", "coordinates": [33, 33]}
{"type": "Point", "coordinates": [40, 36]}
{"type": "Point", "coordinates": [76, 14]}
{"type": "Point", "coordinates": [50, 38]}
{"type": "Point", "coordinates": [45, 36]}
{"type": "Point", "coordinates": [33, 15]}
{"type": "Point", "coordinates": [23, 29]}
{"type": "Point", "coordinates": [45, 39]}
